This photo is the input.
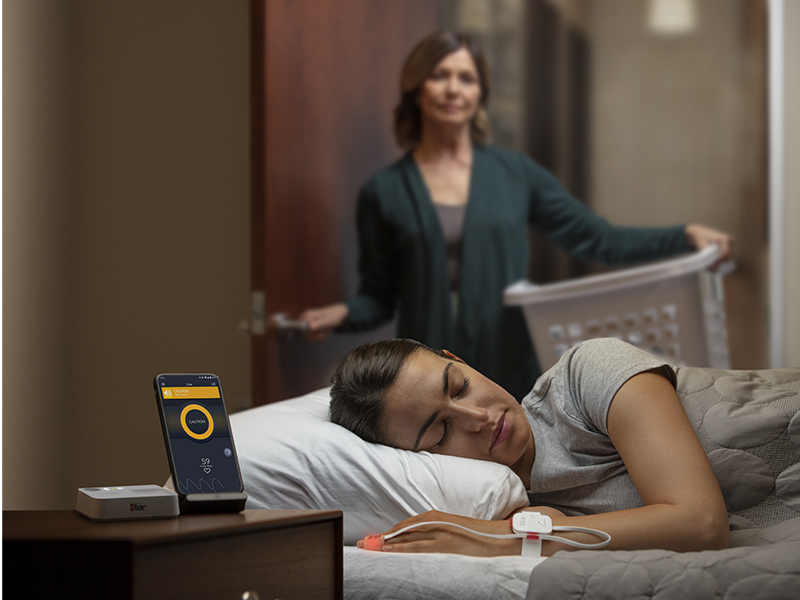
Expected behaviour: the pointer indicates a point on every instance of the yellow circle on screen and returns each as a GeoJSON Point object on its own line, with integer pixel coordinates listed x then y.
{"type": "Point", "coordinates": [189, 432]}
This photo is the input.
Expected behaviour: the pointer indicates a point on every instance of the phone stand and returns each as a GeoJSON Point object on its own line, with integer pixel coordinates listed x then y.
{"type": "Point", "coordinates": [212, 503]}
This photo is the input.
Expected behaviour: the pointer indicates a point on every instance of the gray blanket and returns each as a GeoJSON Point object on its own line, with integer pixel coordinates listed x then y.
{"type": "Point", "coordinates": [749, 425]}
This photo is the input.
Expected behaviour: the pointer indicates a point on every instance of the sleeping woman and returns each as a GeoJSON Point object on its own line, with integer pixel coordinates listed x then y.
{"type": "Point", "coordinates": [602, 441]}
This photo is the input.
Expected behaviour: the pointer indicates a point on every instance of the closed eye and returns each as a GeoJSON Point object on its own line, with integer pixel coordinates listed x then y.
{"type": "Point", "coordinates": [460, 393]}
{"type": "Point", "coordinates": [444, 435]}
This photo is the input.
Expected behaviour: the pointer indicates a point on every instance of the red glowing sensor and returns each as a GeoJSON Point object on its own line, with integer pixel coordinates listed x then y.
{"type": "Point", "coordinates": [373, 542]}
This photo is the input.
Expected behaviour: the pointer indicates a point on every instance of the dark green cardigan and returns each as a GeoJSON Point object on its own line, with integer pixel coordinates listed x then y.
{"type": "Point", "coordinates": [403, 264]}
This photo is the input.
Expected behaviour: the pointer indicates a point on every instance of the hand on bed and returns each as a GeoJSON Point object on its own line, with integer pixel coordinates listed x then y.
{"type": "Point", "coordinates": [441, 538]}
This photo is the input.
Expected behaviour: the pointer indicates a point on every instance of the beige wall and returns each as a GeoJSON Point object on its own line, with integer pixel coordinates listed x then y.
{"type": "Point", "coordinates": [791, 300]}
{"type": "Point", "coordinates": [664, 114]}
{"type": "Point", "coordinates": [125, 231]}
{"type": "Point", "coordinates": [678, 136]}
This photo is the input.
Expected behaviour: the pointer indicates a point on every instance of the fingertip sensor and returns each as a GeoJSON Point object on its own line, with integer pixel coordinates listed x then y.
{"type": "Point", "coordinates": [373, 542]}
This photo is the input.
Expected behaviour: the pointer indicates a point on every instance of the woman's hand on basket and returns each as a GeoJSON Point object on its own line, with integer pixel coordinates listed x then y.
{"type": "Point", "coordinates": [700, 237]}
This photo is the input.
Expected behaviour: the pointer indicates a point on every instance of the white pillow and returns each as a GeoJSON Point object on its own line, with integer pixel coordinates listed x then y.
{"type": "Point", "coordinates": [292, 456]}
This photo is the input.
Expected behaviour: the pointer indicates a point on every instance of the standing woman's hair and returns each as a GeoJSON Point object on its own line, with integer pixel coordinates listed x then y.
{"type": "Point", "coordinates": [418, 66]}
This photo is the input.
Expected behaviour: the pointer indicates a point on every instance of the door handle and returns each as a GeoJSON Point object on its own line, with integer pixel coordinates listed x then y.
{"type": "Point", "coordinates": [285, 327]}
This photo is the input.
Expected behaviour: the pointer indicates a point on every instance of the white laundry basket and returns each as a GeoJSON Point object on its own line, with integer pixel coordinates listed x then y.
{"type": "Point", "coordinates": [673, 308]}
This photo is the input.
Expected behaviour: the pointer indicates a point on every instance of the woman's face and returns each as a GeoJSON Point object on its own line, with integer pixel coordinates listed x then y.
{"type": "Point", "coordinates": [452, 92]}
{"type": "Point", "coordinates": [441, 405]}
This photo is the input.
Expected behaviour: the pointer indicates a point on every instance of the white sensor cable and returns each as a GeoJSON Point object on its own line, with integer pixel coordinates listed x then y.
{"type": "Point", "coordinates": [531, 527]}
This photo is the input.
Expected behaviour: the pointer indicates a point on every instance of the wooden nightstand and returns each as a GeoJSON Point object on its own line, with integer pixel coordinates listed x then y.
{"type": "Point", "coordinates": [286, 554]}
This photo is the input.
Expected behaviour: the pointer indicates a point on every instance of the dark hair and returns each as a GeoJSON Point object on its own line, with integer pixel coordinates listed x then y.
{"type": "Point", "coordinates": [418, 66]}
{"type": "Point", "coordinates": [360, 384]}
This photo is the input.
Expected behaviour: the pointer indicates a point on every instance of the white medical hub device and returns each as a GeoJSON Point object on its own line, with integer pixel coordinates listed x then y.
{"type": "Point", "coordinates": [123, 503]}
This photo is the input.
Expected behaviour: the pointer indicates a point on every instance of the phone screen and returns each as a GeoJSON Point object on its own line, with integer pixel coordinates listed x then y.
{"type": "Point", "coordinates": [197, 432]}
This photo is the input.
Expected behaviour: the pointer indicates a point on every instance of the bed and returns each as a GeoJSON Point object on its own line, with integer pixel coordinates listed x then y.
{"type": "Point", "coordinates": [293, 457]}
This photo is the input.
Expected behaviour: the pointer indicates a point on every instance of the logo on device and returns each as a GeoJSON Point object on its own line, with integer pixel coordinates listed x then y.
{"type": "Point", "coordinates": [167, 392]}
{"type": "Point", "coordinates": [208, 422]}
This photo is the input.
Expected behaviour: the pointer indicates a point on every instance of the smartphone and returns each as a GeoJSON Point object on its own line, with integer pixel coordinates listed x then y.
{"type": "Point", "coordinates": [197, 433]}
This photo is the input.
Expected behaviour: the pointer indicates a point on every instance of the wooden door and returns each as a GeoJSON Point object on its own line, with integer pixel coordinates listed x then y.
{"type": "Point", "coordinates": [325, 76]}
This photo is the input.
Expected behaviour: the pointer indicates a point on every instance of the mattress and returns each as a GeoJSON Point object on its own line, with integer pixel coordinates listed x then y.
{"type": "Point", "coordinates": [382, 576]}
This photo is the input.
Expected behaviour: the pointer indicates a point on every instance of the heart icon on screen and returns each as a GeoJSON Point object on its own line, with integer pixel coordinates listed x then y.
{"type": "Point", "coordinates": [207, 470]}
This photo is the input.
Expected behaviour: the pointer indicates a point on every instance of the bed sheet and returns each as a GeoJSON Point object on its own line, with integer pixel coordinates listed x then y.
{"type": "Point", "coordinates": [383, 576]}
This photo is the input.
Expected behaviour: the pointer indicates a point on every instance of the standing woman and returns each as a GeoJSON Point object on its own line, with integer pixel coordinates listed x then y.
{"type": "Point", "coordinates": [443, 231]}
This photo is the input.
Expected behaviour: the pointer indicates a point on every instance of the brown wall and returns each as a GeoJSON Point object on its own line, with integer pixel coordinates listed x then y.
{"type": "Point", "coordinates": [37, 112]}
{"type": "Point", "coordinates": [125, 231]}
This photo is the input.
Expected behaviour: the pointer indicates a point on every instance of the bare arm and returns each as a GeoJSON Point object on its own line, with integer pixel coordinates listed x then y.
{"type": "Point", "coordinates": [684, 508]}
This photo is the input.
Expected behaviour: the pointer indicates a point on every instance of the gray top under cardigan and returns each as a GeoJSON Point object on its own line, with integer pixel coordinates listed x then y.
{"type": "Point", "coordinates": [403, 263]}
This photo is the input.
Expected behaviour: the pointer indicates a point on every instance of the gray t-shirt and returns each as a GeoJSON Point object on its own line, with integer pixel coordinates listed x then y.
{"type": "Point", "coordinates": [577, 469]}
